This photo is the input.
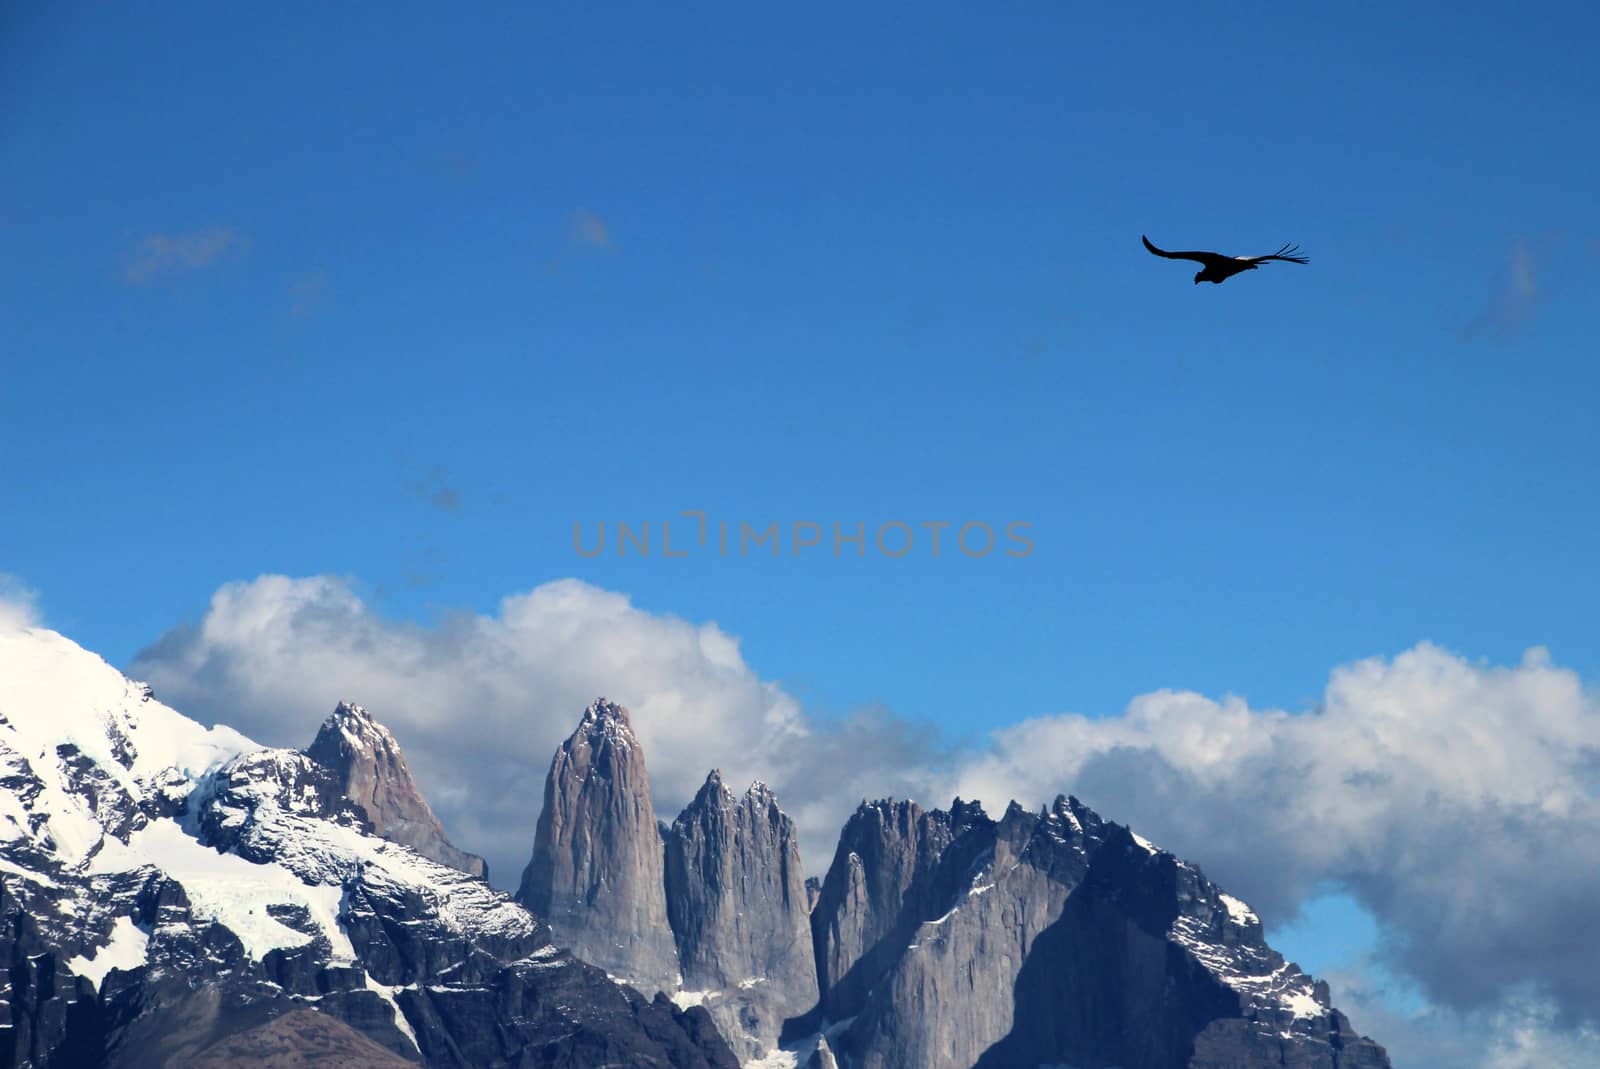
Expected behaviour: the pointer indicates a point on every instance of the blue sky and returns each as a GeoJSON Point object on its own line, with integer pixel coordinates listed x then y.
{"type": "Point", "coordinates": [403, 299]}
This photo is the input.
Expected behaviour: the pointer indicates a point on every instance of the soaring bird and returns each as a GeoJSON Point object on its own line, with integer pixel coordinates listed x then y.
{"type": "Point", "coordinates": [1219, 268]}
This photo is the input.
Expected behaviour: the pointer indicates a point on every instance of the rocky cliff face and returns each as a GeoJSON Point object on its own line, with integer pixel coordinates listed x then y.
{"type": "Point", "coordinates": [166, 889]}
{"type": "Point", "coordinates": [1053, 938]}
{"type": "Point", "coordinates": [596, 872]}
{"type": "Point", "coordinates": [371, 771]}
{"type": "Point", "coordinates": [736, 897]}
{"type": "Point", "coordinates": [890, 872]}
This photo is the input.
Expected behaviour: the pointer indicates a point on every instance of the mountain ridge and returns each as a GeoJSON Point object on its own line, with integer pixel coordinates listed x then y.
{"type": "Point", "coordinates": [167, 888]}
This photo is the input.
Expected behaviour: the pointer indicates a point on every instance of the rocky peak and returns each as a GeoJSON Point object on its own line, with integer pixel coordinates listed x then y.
{"type": "Point", "coordinates": [371, 771]}
{"type": "Point", "coordinates": [737, 902]}
{"type": "Point", "coordinates": [596, 871]}
{"type": "Point", "coordinates": [713, 792]}
{"type": "Point", "coordinates": [606, 722]}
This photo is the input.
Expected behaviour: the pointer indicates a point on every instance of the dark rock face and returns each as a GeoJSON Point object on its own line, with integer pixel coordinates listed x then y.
{"type": "Point", "coordinates": [1053, 938]}
{"type": "Point", "coordinates": [896, 866]}
{"type": "Point", "coordinates": [52, 1014]}
{"type": "Point", "coordinates": [596, 872]}
{"type": "Point", "coordinates": [371, 771]}
{"type": "Point", "coordinates": [737, 901]}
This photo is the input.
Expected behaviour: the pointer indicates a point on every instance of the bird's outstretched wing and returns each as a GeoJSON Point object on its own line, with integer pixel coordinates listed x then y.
{"type": "Point", "coordinates": [1198, 257]}
{"type": "Point", "coordinates": [1289, 253]}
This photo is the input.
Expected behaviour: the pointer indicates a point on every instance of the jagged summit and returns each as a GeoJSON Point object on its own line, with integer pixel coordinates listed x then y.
{"type": "Point", "coordinates": [608, 718]}
{"type": "Point", "coordinates": [371, 771]}
{"type": "Point", "coordinates": [354, 722]}
{"type": "Point", "coordinates": [715, 790]}
{"type": "Point", "coordinates": [714, 786]}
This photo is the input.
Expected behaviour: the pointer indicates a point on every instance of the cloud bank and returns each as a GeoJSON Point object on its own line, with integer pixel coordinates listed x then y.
{"type": "Point", "coordinates": [481, 702]}
{"type": "Point", "coordinates": [1459, 802]}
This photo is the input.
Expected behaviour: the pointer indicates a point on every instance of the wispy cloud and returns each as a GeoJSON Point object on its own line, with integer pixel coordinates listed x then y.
{"type": "Point", "coordinates": [18, 604]}
{"type": "Point", "coordinates": [589, 230]}
{"type": "Point", "coordinates": [435, 488]}
{"type": "Point", "coordinates": [308, 294]}
{"type": "Point", "coordinates": [163, 255]}
{"type": "Point", "coordinates": [1514, 302]}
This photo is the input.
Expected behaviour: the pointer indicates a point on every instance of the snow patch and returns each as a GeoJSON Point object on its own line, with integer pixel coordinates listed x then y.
{"type": "Point", "coordinates": [800, 1053]}
{"type": "Point", "coordinates": [387, 994]}
{"type": "Point", "coordinates": [234, 892]}
{"type": "Point", "coordinates": [1238, 911]}
{"type": "Point", "coordinates": [1302, 1004]}
{"type": "Point", "coordinates": [125, 951]}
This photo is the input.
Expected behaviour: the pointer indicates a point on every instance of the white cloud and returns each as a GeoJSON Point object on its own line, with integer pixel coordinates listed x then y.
{"type": "Point", "coordinates": [481, 702]}
{"type": "Point", "coordinates": [1459, 802]}
{"type": "Point", "coordinates": [1513, 304]}
{"type": "Point", "coordinates": [18, 604]}
{"type": "Point", "coordinates": [308, 294]}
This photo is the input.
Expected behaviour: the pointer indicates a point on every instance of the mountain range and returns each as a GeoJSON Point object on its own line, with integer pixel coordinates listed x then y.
{"type": "Point", "coordinates": [177, 894]}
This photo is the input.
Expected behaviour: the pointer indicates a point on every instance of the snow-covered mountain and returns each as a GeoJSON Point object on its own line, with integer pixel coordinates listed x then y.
{"type": "Point", "coordinates": [168, 891]}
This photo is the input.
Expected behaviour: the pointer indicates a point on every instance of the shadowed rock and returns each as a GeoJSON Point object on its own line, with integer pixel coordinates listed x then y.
{"type": "Point", "coordinates": [1052, 938]}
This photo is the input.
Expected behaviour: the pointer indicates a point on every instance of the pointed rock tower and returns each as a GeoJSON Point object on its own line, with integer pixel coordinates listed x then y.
{"type": "Point", "coordinates": [736, 896]}
{"type": "Point", "coordinates": [596, 872]}
{"type": "Point", "coordinates": [372, 773]}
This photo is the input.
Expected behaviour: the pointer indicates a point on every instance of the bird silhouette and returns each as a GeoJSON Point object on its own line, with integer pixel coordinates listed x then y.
{"type": "Point", "coordinates": [1219, 268]}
